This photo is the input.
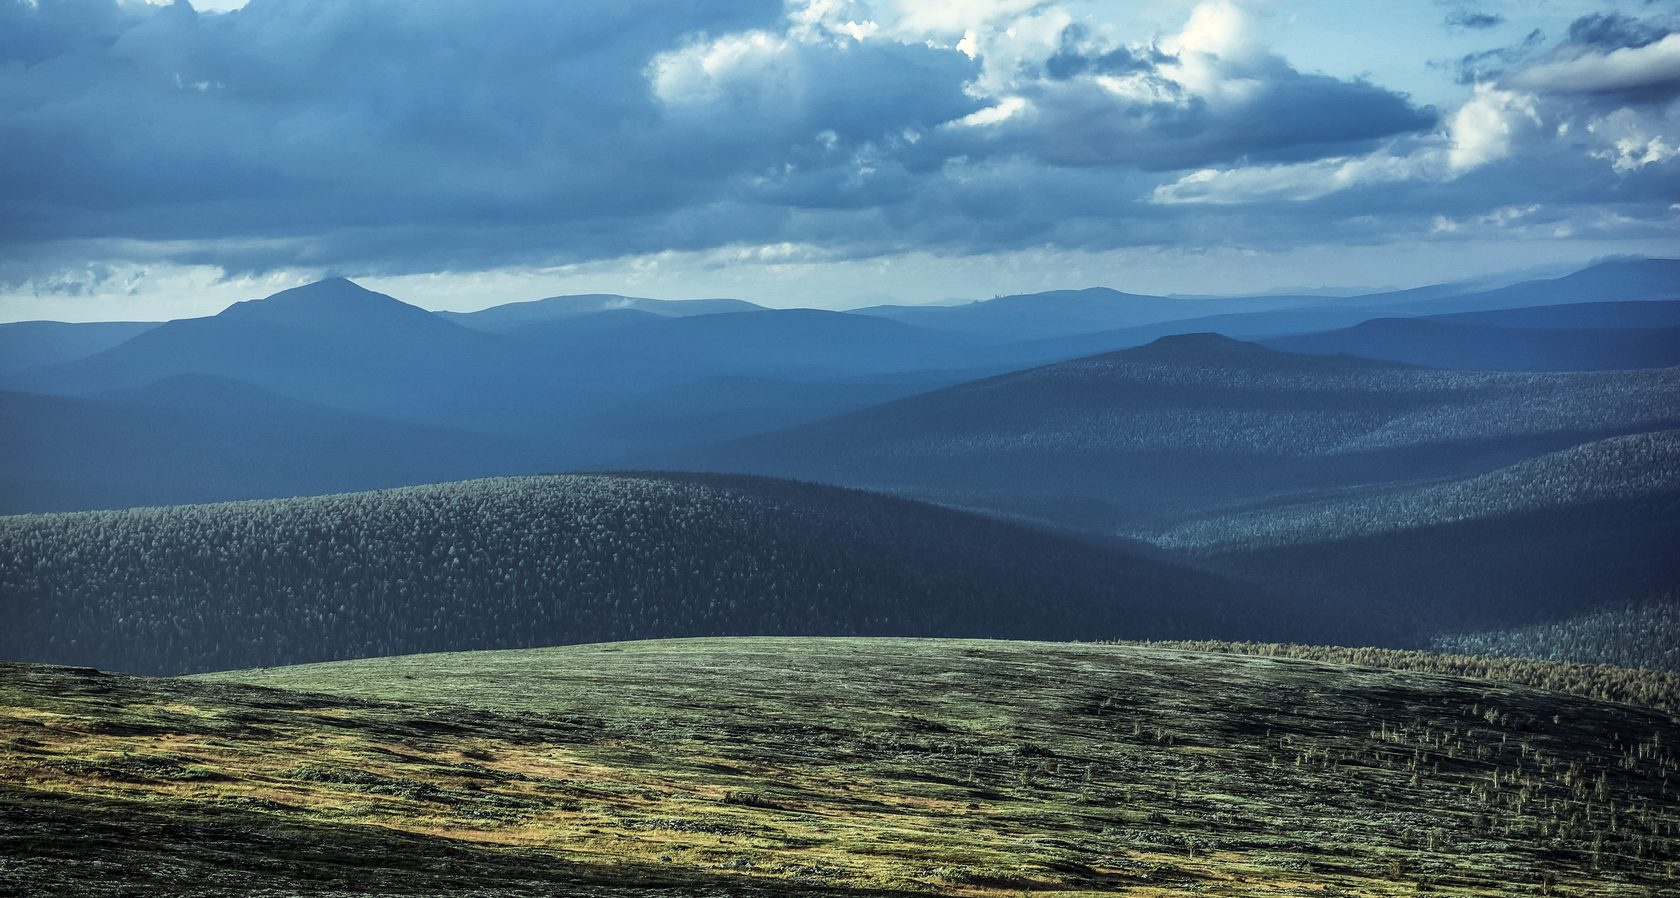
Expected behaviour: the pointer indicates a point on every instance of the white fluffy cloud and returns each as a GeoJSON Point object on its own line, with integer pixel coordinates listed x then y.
{"type": "Point", "coordinates": [1617, 103]}
{"type": "Point", "coordinates": [1487, 128]}
{"type": "Point", "coordinates": [1630, 141]}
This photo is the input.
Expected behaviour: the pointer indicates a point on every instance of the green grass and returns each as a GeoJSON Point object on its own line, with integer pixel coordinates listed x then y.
{"type": "Point", "coordinates": [886, 765]}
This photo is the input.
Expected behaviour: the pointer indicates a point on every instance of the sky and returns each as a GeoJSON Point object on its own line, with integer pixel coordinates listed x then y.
{"type": "Point", "coordinates": [163, 160]}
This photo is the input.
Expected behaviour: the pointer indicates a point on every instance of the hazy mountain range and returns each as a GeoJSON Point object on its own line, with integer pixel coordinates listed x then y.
{"type": "Point", "coordinates": [1420, 461]}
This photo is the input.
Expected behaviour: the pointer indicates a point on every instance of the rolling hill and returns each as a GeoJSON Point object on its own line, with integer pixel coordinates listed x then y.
{"type": "Point", "coordinates": [1416, 501]}
{"type": "Point", "coordinates": [1637, 468]}
{"type": "Point", "coordinates": [1034, 329]}
{"type": "Point", "coordinates": [1190, 424]}
{"type": "Point", "coordinates": [516, 562]}
{"type": "Point", "coordinates": [550, 377]}
{"type": "Point", "coordinates": [1637, 315]}
{"type": "Point", "coordinates": [1447, 342]}
{"type": "Point", "coordinates": [1616, 280]}
{"type": "Point", "coordinates": [1546, 539]}
{"type": "Point", "coordinates": [1633, 634]}
{"type": "Point", "coordinates": [519, 317]}
{"type": "Point", "coordinates": [30, 344]}
{"type": "Point", "coordinates": [840, 766]}
{"type": "Point", "coordinates": [330, 343]}
{"type": "Point", "coordinates": [774, 343]}
{"type": "Point", "coordinates": [200, 438]}
{"type": "Point", "coordinates": [1063, 313]}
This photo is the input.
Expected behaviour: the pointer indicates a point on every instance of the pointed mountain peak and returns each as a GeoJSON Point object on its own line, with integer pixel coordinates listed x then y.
{"type": "Point", "coordinates": [328, 291]}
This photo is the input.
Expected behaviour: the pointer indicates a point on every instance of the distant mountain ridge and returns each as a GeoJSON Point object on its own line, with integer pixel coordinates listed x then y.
{"type": "Point", "coordinates": [201, 438]}
{"type": "Point", "coordinates": [601, 380]}
{"type": "Point", "coordinates": [31, 344]}
{"type": "Point", "coordinates": [516, 316]}
{"type": "Point", "coordinates": [1157, 428]}
{"type": "Point", "coordinates": [1098, 319]}
{"type": "Point", "coordinates": [1574, 337]}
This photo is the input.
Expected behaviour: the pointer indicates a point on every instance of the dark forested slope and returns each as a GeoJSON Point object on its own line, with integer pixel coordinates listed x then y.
{"type": "Point", "coordinates": [545, 560]}
{"type": "Point", "coordinates": [1191, 423]}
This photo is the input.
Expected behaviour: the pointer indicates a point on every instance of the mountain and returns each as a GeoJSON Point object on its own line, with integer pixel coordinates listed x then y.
{"type": "Point", "coordinates": [1641, 467]}
{"type": "Point", "coordinates": [1192, 423]}
{"type": "Point", "coordinates": [1635, 315]}
{"type": "Point", "coordinates": [1616, 280]}
{"type": "Point", "coordinates": [772, 768]}
{"type": "Point", "coordinates": [514, 317]}
{"type": "Point", "coordinates": [200, 438]}
{"type": "Point", "coordinates": [1635, 634]}
{"type": "Point", "coordinates": [330, 343]}
{"type": "Point", "coordinates": [588, 390]}
{"type": "Point", "coordinates": [28, 344]}
{"type": "Point", "coordinates": [1544, 539]}
{"type": "Point", "coordinates": [1299, 456]}
{"type": "Point", "coordinates": [1561, 338]}
{"type": "Point", "coordinates": [1060, 313]}
{"type": "Point", "coordinates": [776, 343]}
{"type": "Point", "coordinates": [642, 383]}
{"type": "Point", "coordinates": [692, 416]}
{"type": "Point", "coordinates": [336, 344]}
{"type": "Point", "coordinates": [1620, 286]}
{"type": "Point", "coordinates": [514, 562]}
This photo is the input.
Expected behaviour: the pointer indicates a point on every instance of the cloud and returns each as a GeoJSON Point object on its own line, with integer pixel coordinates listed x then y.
{"type": "Point", "coordinates": [1651, 67]}
{"type": "Point", "coordinates": [1482, 131]}
{"type": "Point", "coordinates": [1616, 30]}
{"type": "Point", "coordinates": [1487, 128]}
{"type": "Point", "coordinates": [779, 86]}
{"type": "Point", "coordinates": [385, 137]}
{"type": "Point", "coordinates": [1542, 128]}
{"type": "Point", "coordinates": [1630, 141]}
{"type": "Point", "coordinates": [1474, 20]}
{"type": "Point", "coordinates": [1209, 93]}
{"type": "Point", "coordinates": [1484, 65]}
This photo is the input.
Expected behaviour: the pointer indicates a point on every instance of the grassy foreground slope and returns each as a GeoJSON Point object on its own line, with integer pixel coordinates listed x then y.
{"type": "Point", "coordinates": [520, 562]}
{"type": "Point", "coordinates": [810, 766]}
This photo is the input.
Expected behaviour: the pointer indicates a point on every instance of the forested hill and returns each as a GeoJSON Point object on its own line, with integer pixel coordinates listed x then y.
{"type": "Point", "coordinates": [1199, 423]}
{"type": "Point", "coordinates": [516, 562]}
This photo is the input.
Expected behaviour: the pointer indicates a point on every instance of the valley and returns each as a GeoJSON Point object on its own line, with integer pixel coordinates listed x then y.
{"type": "Point", "coordinates": [1316, 486]}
